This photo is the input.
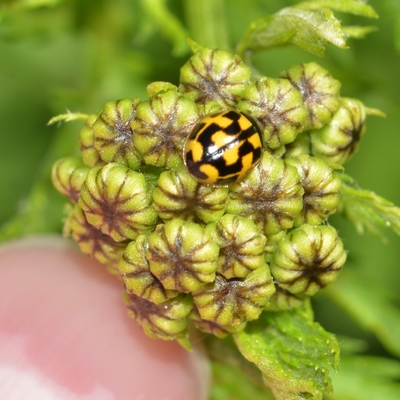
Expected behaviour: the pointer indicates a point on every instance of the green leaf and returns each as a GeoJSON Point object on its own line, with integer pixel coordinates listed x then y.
{"type": "Point", "coordinates": [311, 30]}
{"type": "Point", "coordinates": [355, 7]}
{"type": "Point", "coordinates": [366, 378]}
{"type": "Point", "coordinates": [68, 117]}
{"type": "Point", "coordinates": [370, 305]}
{"type": "Point", "coordinates": [358, 32]}
{"type": "Point", "coordinates": [366, 210]}
{"type": "Point", "coordinates": [293, 352]}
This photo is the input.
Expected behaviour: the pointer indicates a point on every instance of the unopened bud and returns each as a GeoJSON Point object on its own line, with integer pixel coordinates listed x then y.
{"type": "Point", "coordinates": [93, 242]}
{"type": "Point", "coordinates": [158, 87]}
{"type": "Point", "coordinates": [68, 175]}
{"type": "Point", "coordinates": [179, 195]}
{"type": "Point", "coordinates": [320, 92]}
{"type": "Point", "coordinates": [321, 189]}
{"type": "Point", "coordinates": [271, 195]}
{"type": "Point", "coordinates": [161, 127]}
{"type": "Point", "coordinates": [220, 331]}
{"type": "Point", "coordinates": [90, 155]}
{"type": "Point", "coordinates": [338, 141]}
{"type": "Point", "coordinates": [214, 75]}
{"type": "Point", "coordinates": [135, 271]}
{"type": "Point", "coordinates": [241, 244]}
{"type": "Point", "coordinates": [113, 135]}
{"type": "Point", "coordinates": [272, 243]}
{"type": "Point", "coordinates": [234, 301]}
{"type": "Point", "coordinates": [182, 255]}
{"type": "Point", "coordinates": [279, 108]}
{"type": "Point", "coordinates": [307, 259]}
{"type": "Point", "coordinates": [301, 145]}
{"type": "Point", "coordinates": [167, 321]}
{"type": "Point", "coordinates": [117, 201]}
{"type": "Point", "coordinates": [284, 300]}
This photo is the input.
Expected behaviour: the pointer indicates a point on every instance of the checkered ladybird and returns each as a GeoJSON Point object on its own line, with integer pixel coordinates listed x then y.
{"type": "Point", "coordinates": [223, 147]}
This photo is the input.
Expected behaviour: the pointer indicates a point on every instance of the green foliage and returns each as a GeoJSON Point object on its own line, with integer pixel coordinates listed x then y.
{"type": "Point", "coordinates": [68, 117]}
{"type": "Point", "coordinates": [293, 353]}
{"type": "Point", "coordinates": [310, 25]}
{"type": "Point", "coordinates": [60, 57]}
{"type": "Point", "coordinates": [356, 7]}
{"type": "Point", "coordinates": [370, 305]}
{"type": "Point", "coordinates": [168, 24]}
{"type": "Point", "coordinates": [367, 378]}
{"type": "Point", "coordinates": [359, 377]}
{"type": "Point", "coordinates": [311, 30]}
{"type": "Point", "coordinates": [366, 210]}
{"type": "Point", "coordinates": [229, 383]}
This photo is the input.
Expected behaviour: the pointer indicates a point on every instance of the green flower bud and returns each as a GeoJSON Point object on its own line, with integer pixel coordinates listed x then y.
{"type": "Point", "coordinates": [338, 141]}
{"type": "Point", "coordinates": [301, 145]}
{"type": "Point", "coordinates": [161, 127]}
{"type": "Point", "coordinates": [210, 107]}
{"type": "Point", "coordinates": [167, 321]}
{"type": "Point", "coordinates": [307, 259]}
{"type": "Point", "coordinates": [321, 189]}
{"type": "Point", "coordinates": [234, 301]}
{"type": "Point", "coordinates": [271, 195]}
{"type": "Point", "coordinates": [117, 201]}
{"type": "Point", "coordinates": [319, 90]}
{"type": "Point", "coordinates": [93, 242]}
{"type": "Point", "coordinates": [113, 134]}
{"type": "Point", "coordinates": [215, 329]}
{"type": "Point", "coordinates": [90, 156]}
{"type": "Point", "coordinates": [182, 255]}
{"type": "Point", "coordinates": [279, 152]}
{"type": "Point", "coordinates": [135, 271]}
{"type": "Point", "coordinates": [284, 300]}
{"type": "Point", "coordinates": [179, 195]}
{"type": "Point", "coordinates": [214, 75]}
{"type": "Point", "coordinates": [241, 246]}
{"type": "Point", "coordinates": [157, 87]}
{"type": "Point", "coordinates": [68, 175]}
{"type": "Point", "coordinates": [279, 108]}
{"type": "Point", "coordinates": [272, 243]}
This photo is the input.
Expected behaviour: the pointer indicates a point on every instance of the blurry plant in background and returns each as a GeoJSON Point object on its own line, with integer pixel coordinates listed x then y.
{"type": "Point", "coordinates": [58, 56]}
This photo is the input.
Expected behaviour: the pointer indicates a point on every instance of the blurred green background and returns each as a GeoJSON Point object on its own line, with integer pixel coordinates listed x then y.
{"type": "Point", "coordinates": [78, 54]}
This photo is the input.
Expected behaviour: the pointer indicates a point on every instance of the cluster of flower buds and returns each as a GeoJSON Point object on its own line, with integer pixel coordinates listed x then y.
{"type": "Point", "coordinates": [215, 255]}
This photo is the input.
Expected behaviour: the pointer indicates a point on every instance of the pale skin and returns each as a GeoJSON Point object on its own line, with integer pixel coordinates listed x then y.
{"type": "Point", "coordinates": [65, 334]}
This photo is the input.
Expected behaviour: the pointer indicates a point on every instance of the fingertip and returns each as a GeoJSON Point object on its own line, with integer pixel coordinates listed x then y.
{"type": "Point", "coordinates": [64, 329]}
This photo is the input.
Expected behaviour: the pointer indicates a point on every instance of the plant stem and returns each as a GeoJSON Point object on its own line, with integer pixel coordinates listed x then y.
{"type": "Point", "coordinates": [206, 22]}
{"type": "Point", "coordinates": [168, 24]}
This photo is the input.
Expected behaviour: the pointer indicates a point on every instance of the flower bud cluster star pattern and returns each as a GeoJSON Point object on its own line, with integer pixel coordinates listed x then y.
{"type": "Point", "coordinates": [214, 255]}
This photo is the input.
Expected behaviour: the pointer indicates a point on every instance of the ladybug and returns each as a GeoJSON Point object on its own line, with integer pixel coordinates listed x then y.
{"type": "Point", "coordinates": [223, 147]}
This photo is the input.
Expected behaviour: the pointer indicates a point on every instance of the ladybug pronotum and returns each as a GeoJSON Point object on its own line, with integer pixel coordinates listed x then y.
{"type": "Point", "coordinates": [223, 147]}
